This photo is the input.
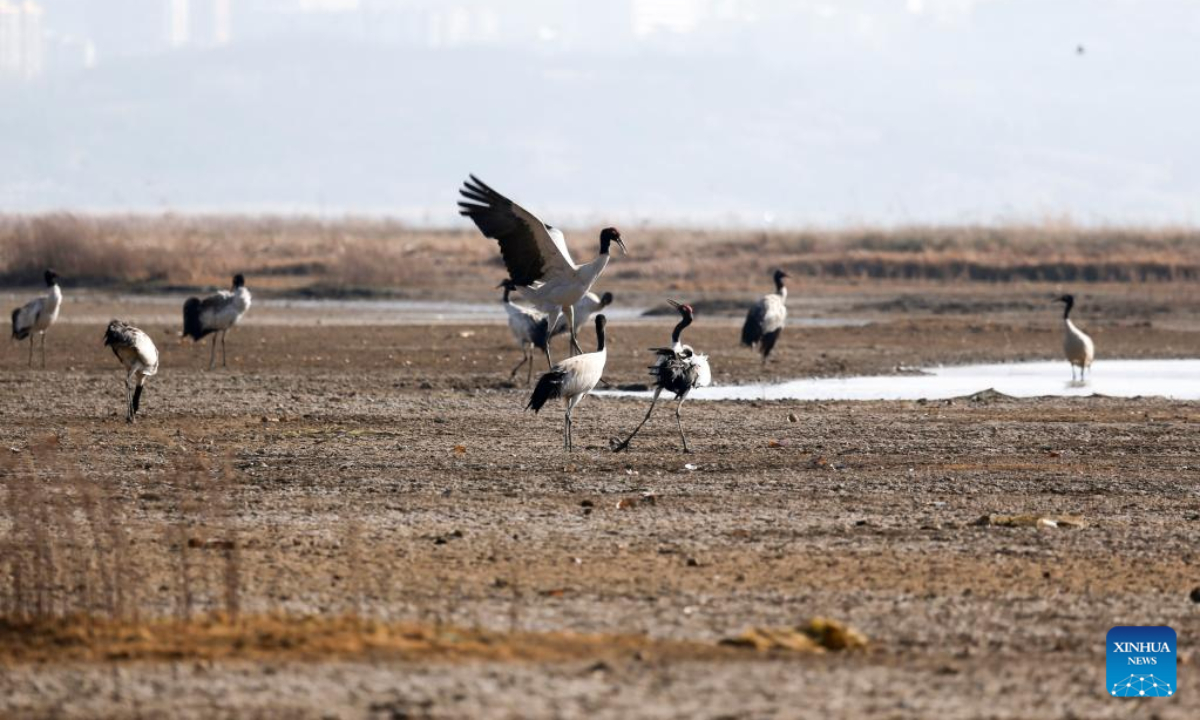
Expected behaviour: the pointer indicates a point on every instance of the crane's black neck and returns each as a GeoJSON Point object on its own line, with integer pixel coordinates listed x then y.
{"type": "Point", "coordinates": [507, 290]}
{"type": "Point", "coordinates": [778, 283]}
{"type": "Point", "coordinates": [605, 242]}
{"type": "Point", "coordinates": [600, 333]}
{"type": "Point", "coordinates": [687, 320]}
{"type": "Point", "coordinates": [1070, 303]}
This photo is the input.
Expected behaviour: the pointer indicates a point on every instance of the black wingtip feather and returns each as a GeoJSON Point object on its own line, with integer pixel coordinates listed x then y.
{"type": "Point", "coordinates": [768, 342]}
{"type": "Point", "coordinates": [16, 332]}
{"type": "Point", "coordinates": [549, 387]}
{"type": "Point", "coordinates": [192, 327]}
{"type": "Point", "coordinates": [751, 333]}
{"type": "Point", "coordinates": [541, 334]}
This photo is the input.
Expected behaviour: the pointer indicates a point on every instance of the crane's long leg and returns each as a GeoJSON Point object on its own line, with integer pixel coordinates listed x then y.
{"type": "Point", "coordinates": [529, 370]}
{"type": "Point", "coordinates": [128, 399]}
{"type": "Point", "coordinates": [31, 350]}
{"type": "Point", "coordinates": [551, 322]}
{"type": "Point", "coordinates": [212, 356]}
{"type": "Point", "coordinates": [624, 444]}
{"type": "Point", "coordinates": [43, 350]}
{"type": "Point", "coordinates": [524, 358]}
{"type": "Point", "coordinates": [570, 311]}
{"type": "Point", "coordinates": [137, 394]}
{"type": "Point", "coordinates": [223, 332]}
{"type": "Point", "coordinates": [567, 430]}
{"type": "Point", "coordinates": [679, 423]}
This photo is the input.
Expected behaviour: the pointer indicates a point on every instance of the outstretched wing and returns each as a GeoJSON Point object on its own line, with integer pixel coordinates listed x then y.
{"type": "Point", "coordinates": [533, 251]}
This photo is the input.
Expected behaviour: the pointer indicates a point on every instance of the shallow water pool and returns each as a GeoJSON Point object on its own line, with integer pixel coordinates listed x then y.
{"type": "Point", "coordinates": [1179, 379]}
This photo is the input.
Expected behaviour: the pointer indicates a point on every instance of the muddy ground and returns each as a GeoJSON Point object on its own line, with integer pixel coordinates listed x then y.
{"type": "Point", "coordinates": [389, 471]}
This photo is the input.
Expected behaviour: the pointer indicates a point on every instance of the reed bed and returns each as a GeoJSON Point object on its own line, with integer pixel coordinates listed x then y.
{"type": "Point", "coordinates": [367, 256]}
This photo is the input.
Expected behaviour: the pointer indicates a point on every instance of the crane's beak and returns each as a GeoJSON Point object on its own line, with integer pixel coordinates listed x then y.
{"type": "Point", "coordinates": [621, 243]}
{"type": "Point", "coordinates": [674, 303]}
{"type": "Point", "coordinates": [502, 284]}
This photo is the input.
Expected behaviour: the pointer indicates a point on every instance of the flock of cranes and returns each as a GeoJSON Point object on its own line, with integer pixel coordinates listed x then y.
{"type": "Point", "coordinates": [133, 347]}
{"type": "Point", "coordinates": [540, 266]}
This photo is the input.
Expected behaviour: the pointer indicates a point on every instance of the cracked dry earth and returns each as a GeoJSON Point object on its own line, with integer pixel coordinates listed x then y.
{"type": "Point", "coordinates": [390, 472]}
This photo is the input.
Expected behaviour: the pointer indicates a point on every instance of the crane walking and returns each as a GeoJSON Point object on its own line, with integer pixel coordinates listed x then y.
{"type": "Point", "coordinates": [137, 353]}
{"type": "Point", "coordinates": [37, 315]}
{"type": "Point", "coordinates": [1078, 347]}
{"type": "Point", "coordinates": [528, 327]}
{"type": "Point", "coordinates": [766, 318]}
{"type": "Point", "coordinates": [535, 253]}
{"type": "Point", "coordinates": [215, 314]}
{"type": "Point", "coordinates": [571, 380]}
{"type": "Point", "coordinates": [677, 370]}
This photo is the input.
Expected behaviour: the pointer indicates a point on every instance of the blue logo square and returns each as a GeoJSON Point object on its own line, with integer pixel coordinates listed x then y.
{"type": "Point", "coordinates": [1141, 661]}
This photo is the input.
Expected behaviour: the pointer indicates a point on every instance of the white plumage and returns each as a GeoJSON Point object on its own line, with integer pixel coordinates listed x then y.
{"type": "Point", "coordinates": [216, 314]}
{"type": "Point", "coordinates": [571, 380]}
{"type": "Point", "coordinates": [588, 305]}
{"type": "Point", "coordinates": [1077, 345]}
{"type": "Point", "coordinates": [528, 327]}
{"type": "Point", "coordinates": [37, 315]}
{"type": "Point", "coordinates": [137, 353]}
{"type": "Point", "coordinates": [535, 253]}
{"type": "Point", "coordinates": [678, 370]}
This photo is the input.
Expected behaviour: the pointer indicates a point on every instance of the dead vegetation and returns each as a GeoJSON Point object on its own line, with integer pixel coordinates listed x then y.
{"type": "Point", "coordinates": [359, 256]}
{"type": "Point", "coordinates": [217, 637]}
{"type": "Point", "coordinates": [66, 542]}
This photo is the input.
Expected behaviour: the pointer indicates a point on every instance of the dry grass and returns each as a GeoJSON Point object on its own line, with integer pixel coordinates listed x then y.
{"type": "Point", "coordinates": [66, 542]}
{"type": "Point", "coordinates": [366, 256]}
{"type": "Point", "coordinates": [218, 637]}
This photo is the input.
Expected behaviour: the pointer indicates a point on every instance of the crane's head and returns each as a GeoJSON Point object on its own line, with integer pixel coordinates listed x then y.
{"type": "Point", "coordinates": [51, 277]}
{"type": "Point", "coordinates": [239, 280]}
{"type": "Point", "coordinates": [507, 284]}
{"type": "Point", "coordinates": [780, 274]}
{"type": "Point", "coordinates": [684, 310]}
{"type": "Point", "coordinates": [611, 235]}
{"type": "Point", "coordinates": [606, 299]}
{"type": "Point", "coordinates": [1068, 299]}
{"type": "Point", "coordinates": [113, 332]}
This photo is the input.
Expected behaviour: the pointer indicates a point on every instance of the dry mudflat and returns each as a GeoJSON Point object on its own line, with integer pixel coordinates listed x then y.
{"type": "Point", "coordinates": [388, 472]}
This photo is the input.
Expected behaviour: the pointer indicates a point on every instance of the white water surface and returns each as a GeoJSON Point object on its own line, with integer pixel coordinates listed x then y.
{"type": "Point", "coordinates": [1177, 379]}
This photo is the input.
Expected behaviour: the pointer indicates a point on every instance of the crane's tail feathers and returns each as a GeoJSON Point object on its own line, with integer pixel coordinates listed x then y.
{"type": "Point", "coordinates": [541, 334]}
{"type": "Point", "coordinates": [768, 342]}
{"type": "Point", "coordinates": [18, 333]}
{"type": "Point", "coordinates": [751, 333]}
{"type": "Point", "coordinates": [549, 387]}
{"type": "Point", "coordinates": [192, 327]}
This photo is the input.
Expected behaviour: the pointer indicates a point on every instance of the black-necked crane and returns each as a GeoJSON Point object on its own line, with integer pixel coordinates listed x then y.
{"type": "Point", "coordinates": [535, 253]}
{"type": "Point", "coordinates": [215, 314]}
{"type": "Point", "coordinates": [766, 318]}
{"type": "Point", "coordinates": [37, 315]}
{"type": "Point", "coordinates": [1078, 347]}
{"type": "Point", "coordinates": [588, 305]}
{"type": "Point", "coordinates": [528, 328]}
{"type": "Point", "coordinates": [570, 381]}
{"type": "Point", "coordinates": [137, 353]}
{"type": "Point", "coordinates": [678, 370]}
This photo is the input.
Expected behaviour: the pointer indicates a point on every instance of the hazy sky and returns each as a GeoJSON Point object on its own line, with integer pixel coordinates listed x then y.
{"type": "Point", "coordinates": [788, 112]}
